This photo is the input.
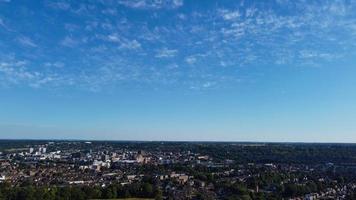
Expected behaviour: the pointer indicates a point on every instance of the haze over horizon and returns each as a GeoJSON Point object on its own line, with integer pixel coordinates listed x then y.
{"type": "Point", "coordinates": [271, 71]}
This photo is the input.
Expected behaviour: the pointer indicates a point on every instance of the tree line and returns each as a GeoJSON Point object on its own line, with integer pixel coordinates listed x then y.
{"type": "Point", "coordinates": [140, 190]}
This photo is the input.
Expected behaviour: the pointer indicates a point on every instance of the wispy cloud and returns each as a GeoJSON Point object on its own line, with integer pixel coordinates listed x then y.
{"type": "Point", "coordinates": [54, 64]}
{"type": "Point", "coordinates": [166, 53]}
{"type": "Point", "coordinates": [230, 15]}
{"type": "Point", "coordinates": [69, 42]}
{"type": "Point", "coordinates": [131, 42]}
{"type": "Point", "coordinates": [113, 38]}
{"type": "Point", "coordinates": [15, 71]}
{"type": "Point", "coordinates": [2, 23]}
{"type": "Point", "coordinates": [151, 4]}
{"type": "Point", "coordinates": [123, 42]}
{"type": "Point", "coordinates": [191, 60]}
{"type": "Point", "coordinates": [26, 41]}
{"type": "Point", "coordinates": [60, 5]}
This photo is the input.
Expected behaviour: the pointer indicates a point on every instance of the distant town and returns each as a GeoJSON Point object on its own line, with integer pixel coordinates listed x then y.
{"type": "Point", "coordinates": [176, 170]}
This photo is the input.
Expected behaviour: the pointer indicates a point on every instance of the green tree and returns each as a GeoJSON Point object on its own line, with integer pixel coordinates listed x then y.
{"type": "Point", "coordinates": [147, 190]}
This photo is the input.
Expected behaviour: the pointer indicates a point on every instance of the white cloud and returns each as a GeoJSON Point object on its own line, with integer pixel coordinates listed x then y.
{"type": "Point", "coordinates": [54, 64]}
{"type": "Point", "coordinates": [124, 43]}
{"type": "Point", "coordinates": [209, 40]}
{"type": "Point", "coordinates": [69, 42]}
{"type": "Point", "coordinates": [230, 15]}
{"type": "Point", "coordinates": [2, 24]}
{"type": "Point", "coordinates": [209, 84]}
{"type": "Point", "coordinates": [19, 63]}
{"type": "Point", "coordinates": [71, 27]}
{"type": "Point", "coordinates": [152, 4]}
{"type": "Point", "coordinates": [190, 60]}
{"type": "Point", "coordinates": [178, 3]}
{"type": "Point", "coordinates": [60, 5]}
{"type": "Point", "coordinates": [166, 53]}
{"type": "Point", "coordinates": [26, 41]}
{"type": "Point", "coordinates": [15, 71]}
{"type": "Point", "coordinates": [338, 8]}
{"type": "Point", "coordinates": [42, 81]}
{"type": "Point", "coordinates": [113, 38]}
{"type": "Point", "coordinates": [127, 44]}
{"type": "Point", "coordinates": [182, 16]}
{"type": "Point", "coordinates": [110, 11]}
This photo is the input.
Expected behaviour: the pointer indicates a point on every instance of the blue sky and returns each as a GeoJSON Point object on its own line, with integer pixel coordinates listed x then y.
{"type": "Point", "coordinates": [274, 70]}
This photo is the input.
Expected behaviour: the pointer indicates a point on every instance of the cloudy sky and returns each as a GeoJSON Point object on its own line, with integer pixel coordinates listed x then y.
{"type": "Point", "coordinates": [273, 70]}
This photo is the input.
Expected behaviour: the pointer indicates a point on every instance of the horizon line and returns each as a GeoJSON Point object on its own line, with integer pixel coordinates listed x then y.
{"type": "Point", "coordinates": [177, 141]}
